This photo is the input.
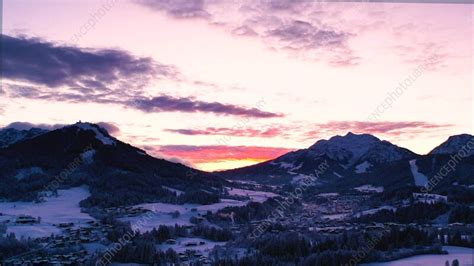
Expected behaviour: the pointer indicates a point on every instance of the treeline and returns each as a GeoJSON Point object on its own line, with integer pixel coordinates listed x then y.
{"type": "Point", "coordinates": [212, 233]}
{"type": "Point", "coordinates": [143, 251]}
{"type": "Point", "coordinates": [106, 194]}
{"type": "Point", "coordinates": [455, 238]}
{"type": "Point", "coordinates": [11, 246]}
{"type": "Point", "coordinates": [251, 211]}
{"type": "Point", "coordinates": [316, 249]}
{"type": "Point", "coordinates": [142, 247]}
{"type": "Point", "coordinates": [462, 214]}
{"type": "Point", "coordinates": [415, 213]}
{"type": "Point", "coordinates": [197, 196]}
{"type": "Point", "coordinates": [26, 189]}
{"type": "Point", "coordinates": [164, 232]}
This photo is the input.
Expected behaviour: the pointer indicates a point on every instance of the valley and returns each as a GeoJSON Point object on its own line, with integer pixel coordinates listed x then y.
{"type": "Point", "coordinates": [317, 208]}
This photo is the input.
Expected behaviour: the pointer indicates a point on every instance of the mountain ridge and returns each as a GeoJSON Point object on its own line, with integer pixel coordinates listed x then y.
{"type": "Point", "coordinates": [454, 144]}
{"type": "Point", "coordinates": [10, 135]}
{"type": "Point", "coordinates": [117, 172]}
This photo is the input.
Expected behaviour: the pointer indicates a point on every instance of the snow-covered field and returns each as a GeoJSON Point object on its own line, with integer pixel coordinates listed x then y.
{"type": "Point", "coordinates": [372, 211]}
{"type": "Point", "coordinates": [62, 209]}
{"type": "Point", "coordinates": [420, 179]}
{"type": "Point", "coordinates": [332, 194]}
{"type": "Point", "coordinates": [465, 256]}
{"type": "Point", "coordinates": [335, 217]}
{"type": "Point", "coordinates": [429, 198]}
{"type": "Point", "coordinates": [180, 246]}
{"type": "Point", "coordinates": [369, 188]}
{"type": "Point", "coordinates": [258, 196]}
{"type": "Point", "coordinates": [162, 213]}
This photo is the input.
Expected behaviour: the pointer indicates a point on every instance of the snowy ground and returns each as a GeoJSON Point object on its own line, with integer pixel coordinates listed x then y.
{"type": "Point", "coordinates": [372, 211]}
{"type": "Point", "coordinates": [62, 209]}
{"type": "Point", "coordinates": [429, 198]}
{"type": "Point", "coordinates": [258, 196]}
{"type": "Point", "coordinates": [420, 179]}
{"type": "Point", "coordinates": [162, 213]}
{"type": "Point", "coordinates": [177, 191]}
{"type": "Point", "coordinates": [464, 255]}
{"type": "Point", "coordinates": [332, 194]}
{"type": "Point", "coordinates": [335, 217]}
{"type": "Point", "coordinates": [180, 246]}
{"type": "Point", "coordinates": [369, 188]}
{"type": "Point", "coordinates": [363, 167]}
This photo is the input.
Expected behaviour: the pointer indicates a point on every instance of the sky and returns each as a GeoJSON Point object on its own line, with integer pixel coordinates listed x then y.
{"type": "Point", "coordinates": [224, 84]}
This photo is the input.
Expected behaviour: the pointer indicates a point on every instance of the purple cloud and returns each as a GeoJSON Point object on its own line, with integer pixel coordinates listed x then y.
{"type": "Point", "coordinates": [297, 34]}
{"type": "Point", "coordinates": [389, 128]}
{"type": "Point", "coordinates": [105, 76]}
{"type": "Point", "coordinates": [189, 105]}
{"type": "Point", "coordinates": [111, 128]}
{"type": "Point", "coordinates": [45, 63]}
{"type": "Point", "coordinates": [26, 125]}
{"type": "Point", "coordinates": [268, 132]}
{"type": "Point", "coordinates": [294, 25]}
{"type": "Point", "coordinates": [178, 8]}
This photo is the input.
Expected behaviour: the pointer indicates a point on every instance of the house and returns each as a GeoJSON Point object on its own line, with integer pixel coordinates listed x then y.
{"type": "Point", "coordinates": [190, 244]}
{"type": "Point", "coordinates": [65, 225]}
{"type": "Point", "coordinates": [171, 241]}
{"type": "Point", "coordinates": [25, 219]}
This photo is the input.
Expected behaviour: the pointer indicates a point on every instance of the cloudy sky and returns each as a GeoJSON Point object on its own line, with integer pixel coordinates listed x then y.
{"type": "Point", "coordinates": [221, 84]}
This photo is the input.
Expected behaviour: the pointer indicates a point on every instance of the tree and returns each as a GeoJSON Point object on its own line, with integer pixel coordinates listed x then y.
{"type": "Point", "coordinates": [175, 214]}
{"type": "Point", "coordinates": [3, 228]}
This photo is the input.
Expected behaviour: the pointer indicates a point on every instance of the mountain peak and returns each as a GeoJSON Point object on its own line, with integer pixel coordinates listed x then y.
{"type": "Point", "coordinates": [100, 133]}
{"type": "Point", "coordinates": [454, 144]}
{"type": "Point", "coordinates": [353, 148]}
{"type": "Point", "coordinates": [347, 141]}
{"type": "Point", "coordinates": [350, 134]}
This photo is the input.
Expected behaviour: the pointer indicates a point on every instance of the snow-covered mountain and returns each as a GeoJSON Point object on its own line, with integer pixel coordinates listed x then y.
{"type": "Point", "coordinates": [353, 149]}
{"type": "Point", "coordinates": [11, 135]}
{"type": "Point", "coordinates": [347, 155]}
{"type": "Point", "coordinates": [454, 144]}
{"type": "Point", "coordinates": [116, 172]}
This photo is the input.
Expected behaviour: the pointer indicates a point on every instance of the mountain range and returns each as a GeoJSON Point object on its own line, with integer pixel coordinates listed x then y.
{"type": "Point", "coordinates": [358, 160]}
{"type": "Point", "coordinates": [120, 174]}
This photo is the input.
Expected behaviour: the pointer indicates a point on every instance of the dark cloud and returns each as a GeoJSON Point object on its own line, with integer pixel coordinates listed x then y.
{"type": "Point", "coordinates": [178, 8]}
{"type": "Point", "coordinates": [105, 76]}
{"type": "Point", "coordinates": [45, 63]}
{"type": "Point", "coordinates": [297, 34]}
{"type": "Point", "coordinates": [239, 132]}
{"type": "Point", "coordinates": [189, 105]}
{"type": "Point", "coordinates": [282, 4]}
